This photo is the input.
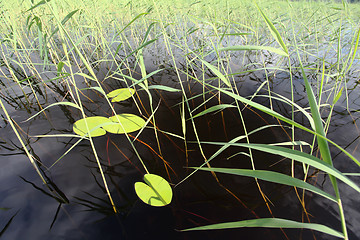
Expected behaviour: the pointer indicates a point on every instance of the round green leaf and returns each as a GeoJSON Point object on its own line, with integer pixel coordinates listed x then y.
{"type": "Point", "coordinates": [124, 123]}
{"type": "Point", "coordinates": [157, 192]}
{"type": "Point", "coordinates": [120, 94]}
{"type": "Point", "coordinates": [93, 124]}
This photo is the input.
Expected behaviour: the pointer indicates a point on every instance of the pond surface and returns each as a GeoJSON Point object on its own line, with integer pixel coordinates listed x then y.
{"type": "Point", "coordinates": [82, 209]}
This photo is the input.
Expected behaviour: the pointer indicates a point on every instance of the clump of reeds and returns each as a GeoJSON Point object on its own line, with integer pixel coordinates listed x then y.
{"type": "Point", "coordinates": [55, 47]}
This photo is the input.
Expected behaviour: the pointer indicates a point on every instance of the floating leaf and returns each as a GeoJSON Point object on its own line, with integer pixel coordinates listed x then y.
{"type": "Point", "coordinates": [157, 192]}
{"type": "Point", "coordinates": [94, 125]}
{"type": "Point", "coordinates": [124, 123]}
{"type": "Point", "coordinates": [120, 94]}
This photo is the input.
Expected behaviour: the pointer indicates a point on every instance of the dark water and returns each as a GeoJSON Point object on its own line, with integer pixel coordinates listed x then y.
{"type": "Point", "coordinates": [201, 200]}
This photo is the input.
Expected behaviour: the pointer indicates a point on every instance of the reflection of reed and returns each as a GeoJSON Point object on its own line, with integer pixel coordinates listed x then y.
{"type": "Point", "coordinates": [6, 226]}
{"type": "Point", "coordinates": [101, 204]}
{"type": "Point", "coordinates": [54, 193]}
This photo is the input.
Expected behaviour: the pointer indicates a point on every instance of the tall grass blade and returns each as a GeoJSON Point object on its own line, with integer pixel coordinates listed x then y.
{"type": "Point", "coordinates": [338, 96]}
{"type": "Point", "coordinates": [319, 128]}
{"type": "Point", "coordinates": [66, 18]}
{"type": "Point", "coordinates": [274, 177]}
{"type": "Point", "coordinates": [252, 47]}
{"type": "Point", "coordinates": [144, 78]}
{"type": "Point", "coordinates": [127, 25]}
{"type": "Point", "coordinates": [59, 68]}
{"type": "Point", "coordinates": [137, 50]}
{"type": "Point", "coordinates": [282, 118]}
{"type": "Point", "coordinates": [297, 156]}
{"type": "Point", "coordinates": [37, 5]}
{"type": "Point", "coordinates": [270, 223]}
{"type": "Point", "coordinates": [216, 72]}
{"type": "Point", "coordinates": [219, 107]}
{"type": "Point", "coordinates": [355, 50]}
{"type": "Point", "coordinates": [323, 144]}
{"type": "Point", "coordinates": [30, 157]}
{"type": "Point", "coordinates": [70, 104]}
{"type": "Point", "coordinates": [273, 31]}
{"type": "Point", "coordinates": [225, 146]}
{"type": "Point", "coordinates": [164, 88]}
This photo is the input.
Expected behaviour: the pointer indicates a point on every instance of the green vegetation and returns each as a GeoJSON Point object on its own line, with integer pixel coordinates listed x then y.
{"type": "Point", "coordinates": [70, 46]}
{"type": "Point", "coordinates": [157, 192]}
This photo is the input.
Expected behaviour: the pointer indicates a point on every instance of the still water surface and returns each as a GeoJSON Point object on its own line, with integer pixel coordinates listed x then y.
{"type": "Point", "coordinates": [201, 200]}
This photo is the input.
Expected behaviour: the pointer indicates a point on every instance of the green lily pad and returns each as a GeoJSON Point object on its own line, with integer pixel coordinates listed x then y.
{"type": "Point", "coordinates": [120, 94]}
{"type": "Point", "coordinates": [93, 124]}
{"type": "Point", "coordinates": [157, 192]}
{"type": "Point", "coordinates": [124, 123]}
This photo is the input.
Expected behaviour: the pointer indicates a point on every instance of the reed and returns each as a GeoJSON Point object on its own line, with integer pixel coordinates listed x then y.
{"type": "Point", "coordinates": [54, 52]}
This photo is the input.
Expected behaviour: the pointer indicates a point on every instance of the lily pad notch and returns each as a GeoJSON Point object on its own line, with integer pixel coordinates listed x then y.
{"type": "Point", "coordinates": [156, 192]}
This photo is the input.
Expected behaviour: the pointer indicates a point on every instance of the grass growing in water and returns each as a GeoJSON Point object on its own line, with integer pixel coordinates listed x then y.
{"type": "Point", "coordinates": [57, 47]}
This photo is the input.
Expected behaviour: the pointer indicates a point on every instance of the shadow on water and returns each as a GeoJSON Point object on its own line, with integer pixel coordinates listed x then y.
{"type": "Point", "coordinates": [77, 206]}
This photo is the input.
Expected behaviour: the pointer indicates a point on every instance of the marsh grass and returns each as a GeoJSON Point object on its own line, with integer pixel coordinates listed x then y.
{"type": "Point", "coordinates": [65, 49]}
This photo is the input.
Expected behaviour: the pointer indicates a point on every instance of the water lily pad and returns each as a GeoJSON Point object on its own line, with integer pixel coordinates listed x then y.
{"type": "Point", "coordinates": [156, 192]}
{"type": "Point", "coordinates": [124, 123]}
{"type": "Point", "coordinates": [120, 94]}
{"type": "Point", "coordinates": [93, 124]}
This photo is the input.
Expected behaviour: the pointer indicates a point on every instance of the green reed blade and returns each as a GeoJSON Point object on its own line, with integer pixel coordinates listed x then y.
{"type": "Point", "coordinates": [70, 104]}
{"type": "Point", "coordinates": [282, 118]}
{"type": "Point", "coordinates": [37, 5]}
{"type": "Point", "coordinates": [355, 50]}
{"type": "Point", "coordinates": [252, 47]}
{"type": "Point", "coordinates": [323, 144]}
{"type": "Point", "coordinates": [274, 177]}
{"type": "Point", "coordinates": [164, 88]}
{"type": "Point", "coordinates": [127, 25]}
{"type": "Point", "coordinates": [28, 154]}
{"type": "Point", "coordinates": [270, 223]}
{"type": "Point", "coordinates": [66, 18]}
{"type": "Point", "coordinates": [273, 31]}
{"type": "Point", "coordinates": [219, 107]}
{"type": "Point", "coordinates": [216, 72]}
{"type": "Point", "coordinates": [297, 156]}
{"type": "Point", "coordinates": [225, 146]}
